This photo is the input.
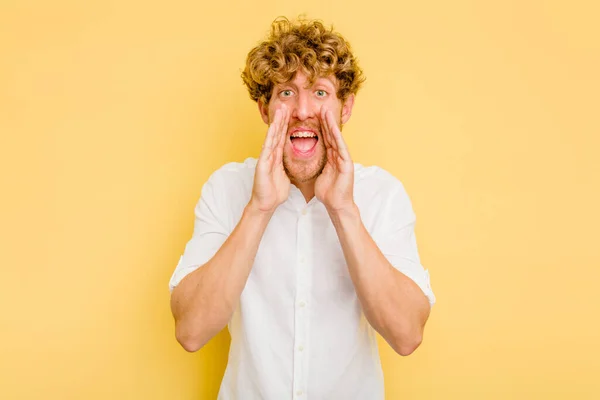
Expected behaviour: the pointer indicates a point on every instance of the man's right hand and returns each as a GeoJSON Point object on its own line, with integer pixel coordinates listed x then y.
{"type": "Point", "coordinates": [271, 183]}
{"type": "Point", "coordinates": [205, 300]}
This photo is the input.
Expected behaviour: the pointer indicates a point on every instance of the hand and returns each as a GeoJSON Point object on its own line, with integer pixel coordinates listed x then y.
{"type": "Point", "coordinates": [335, 186]}
{"type": "Point", "coordinates": [271, 183]}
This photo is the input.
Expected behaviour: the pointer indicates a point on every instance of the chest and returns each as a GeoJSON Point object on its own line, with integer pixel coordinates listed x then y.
{"type": "Point", "coordinates": [300, 251]}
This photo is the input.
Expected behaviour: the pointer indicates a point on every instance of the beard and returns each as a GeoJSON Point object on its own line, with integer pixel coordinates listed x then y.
{"type": "Point", "coordinates": [305, 171]}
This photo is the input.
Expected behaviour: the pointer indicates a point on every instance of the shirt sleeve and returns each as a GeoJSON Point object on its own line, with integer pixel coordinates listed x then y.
{"type": "Point", "coordinates": [210, 231]}
{"type": "Point", "coordinates": [397, 240]}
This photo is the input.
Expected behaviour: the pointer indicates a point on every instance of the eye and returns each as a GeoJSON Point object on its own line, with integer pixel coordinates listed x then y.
{"type": "Point", "coordinates": [286, 93]}
{"type": "Point", "coordinates": [321, 93]}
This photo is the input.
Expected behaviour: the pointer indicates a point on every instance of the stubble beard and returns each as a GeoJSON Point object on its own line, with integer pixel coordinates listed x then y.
{"type": "Point", "coordinates": [300, 172]}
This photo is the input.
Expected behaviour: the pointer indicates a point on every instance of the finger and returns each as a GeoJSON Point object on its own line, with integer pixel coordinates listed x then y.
{"type": "Point", "coordinates": [282, 138]}
{"type": "Point", "coordinates": [330, 155]}
{"type": "Point", "coordinates": [267, 147]}
{"type": "Point", "coordinates": [337, 137]}
{"type": "Point", "coordinates": [273, 129]}
{"type": "Point", "coordinates": [330, 136]}
{"type": "Point", "coordinates": [284, 127]}
{"type": "Point", "coordinates": [277, 156]}
{"type": "Point", "coordinates": [324, 128]}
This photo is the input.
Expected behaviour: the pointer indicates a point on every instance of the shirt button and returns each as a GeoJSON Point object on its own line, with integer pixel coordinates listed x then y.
{"type": "Point", "coordinates": [302, 304]}
{"type": "Point", "coordinates": [302, 260]}
{"type": "Point", "coordinates": [300, 347]}
{"type": "Point", "coordinates": [304, 212]}
{"type": "Point", "coordinates": [299, 393]}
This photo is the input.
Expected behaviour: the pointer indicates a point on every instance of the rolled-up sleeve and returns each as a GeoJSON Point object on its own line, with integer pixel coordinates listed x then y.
{"type": "Point", "coordinates": [210, 231]}
{"type": "Point", "coordinates": [397, 241]}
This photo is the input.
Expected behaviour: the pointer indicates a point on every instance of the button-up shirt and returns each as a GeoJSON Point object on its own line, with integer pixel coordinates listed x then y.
{"type": "Point", "coordinates": [299, 331]}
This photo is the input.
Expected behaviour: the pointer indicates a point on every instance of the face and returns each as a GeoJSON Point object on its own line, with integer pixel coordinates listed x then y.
{"type": "Point", "coordinates": [304, 154]}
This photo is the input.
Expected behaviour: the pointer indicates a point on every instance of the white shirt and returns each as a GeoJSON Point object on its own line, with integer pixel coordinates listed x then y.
{"type": "Point", "coordinates": [299, 331]}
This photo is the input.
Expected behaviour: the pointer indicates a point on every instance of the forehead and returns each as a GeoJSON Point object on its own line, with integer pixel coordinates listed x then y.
{"type": "Point", "coordinates": [300, 79]}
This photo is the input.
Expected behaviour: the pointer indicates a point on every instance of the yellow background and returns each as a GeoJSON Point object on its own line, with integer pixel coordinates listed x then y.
{"type": "Point", "coordinates": [114, 113]}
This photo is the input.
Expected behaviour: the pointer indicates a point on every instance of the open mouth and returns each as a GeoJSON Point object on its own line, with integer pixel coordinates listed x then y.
{"type": "Point", "coordinates": [304, 142]}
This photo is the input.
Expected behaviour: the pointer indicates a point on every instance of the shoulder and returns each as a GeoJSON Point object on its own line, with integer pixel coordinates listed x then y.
{"type": "Point", "coordinates": [376, 180]}
{"type": "Point", "coordinates": [381, 197]}
{"type": "Point", "coordinates": [234, 173]}
{"type": "Point", "coordinates": [228, 190]}
{"type": "Point", "coordinates": [232, 179]}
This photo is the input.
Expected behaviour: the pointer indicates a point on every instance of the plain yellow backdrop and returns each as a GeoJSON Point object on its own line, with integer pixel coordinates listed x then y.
{"type": "Point", "coordinates": [114, 113]}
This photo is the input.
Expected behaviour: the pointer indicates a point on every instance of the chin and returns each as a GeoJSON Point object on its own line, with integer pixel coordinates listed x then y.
{"type": "Point", "coordinates": [304, 171]}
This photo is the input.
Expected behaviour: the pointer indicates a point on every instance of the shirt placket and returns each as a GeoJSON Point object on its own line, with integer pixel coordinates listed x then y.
{"type": "Point", "coordinates": [301, 324]}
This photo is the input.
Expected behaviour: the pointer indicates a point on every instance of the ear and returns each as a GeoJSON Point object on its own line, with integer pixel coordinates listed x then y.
{"type": "Point", "coordinates": [264, 111]}
{"type": "Point", "coordinates": [347, 108]}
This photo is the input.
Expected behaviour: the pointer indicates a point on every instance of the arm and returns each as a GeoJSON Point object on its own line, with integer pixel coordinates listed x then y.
{"type": "Point", "coordinates": [393, 303]}
{"type": "Point", "coordinates": [204, 301]}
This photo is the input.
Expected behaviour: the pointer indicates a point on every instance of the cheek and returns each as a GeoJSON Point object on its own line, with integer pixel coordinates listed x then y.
{"type": "Point", "coordinates": [272, 114]}
{"type": "Point", "coordinates": [274, 105]}
{"type": "Point", "coordinates": [334, 106]}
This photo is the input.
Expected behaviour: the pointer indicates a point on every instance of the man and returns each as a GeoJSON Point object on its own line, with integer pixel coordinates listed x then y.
{"type": "Point", "coordinates": [302, 253]}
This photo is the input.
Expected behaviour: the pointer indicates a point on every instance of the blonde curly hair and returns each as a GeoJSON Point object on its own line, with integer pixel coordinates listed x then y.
{"type": "Point", "coordinates": [306, 45]}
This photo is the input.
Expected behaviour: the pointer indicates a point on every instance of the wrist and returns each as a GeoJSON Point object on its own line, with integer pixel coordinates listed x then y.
{"type": "Point", "coordinates": [254, 211]}
{"type": "Point", "coordinates": [348, 211]}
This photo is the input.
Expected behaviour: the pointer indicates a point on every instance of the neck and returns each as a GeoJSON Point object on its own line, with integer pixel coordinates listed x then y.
{"type": "Point", "coordinates": [307, 188]}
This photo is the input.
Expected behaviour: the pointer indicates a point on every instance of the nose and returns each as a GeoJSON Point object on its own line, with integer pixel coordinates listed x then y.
{"type": "Point", "coordinates": [304, 108]}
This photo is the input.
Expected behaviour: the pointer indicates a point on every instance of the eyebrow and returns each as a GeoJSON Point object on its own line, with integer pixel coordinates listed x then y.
{"type": "Point", "coordinates": [324, 80]}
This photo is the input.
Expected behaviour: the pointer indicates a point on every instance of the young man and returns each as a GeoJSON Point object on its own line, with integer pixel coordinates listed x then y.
{"type": "Point", "coordinates": [302, 253]}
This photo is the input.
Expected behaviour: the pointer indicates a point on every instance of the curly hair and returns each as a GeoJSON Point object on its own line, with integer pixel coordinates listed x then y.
{"type": "Point", "coordinates": [306, 45]}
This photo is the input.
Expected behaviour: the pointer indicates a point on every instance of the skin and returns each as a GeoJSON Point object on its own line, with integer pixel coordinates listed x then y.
{"type": "Point", "coordinates": [394, 305]}
{"type": "Point", "coordinates": [301, 106]}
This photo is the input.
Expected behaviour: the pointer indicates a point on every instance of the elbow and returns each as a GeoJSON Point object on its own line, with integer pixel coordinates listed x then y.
{"type": "Point", "coordinates": [190, 346]}
{"type": "Point", "coordinates": [407, 345]}
{"type": "Point", "coordinates": [409, 336]}
{"type": "Point", "coordinates": [190, 342]}
{"type": "Point", "coordinates": [194, 333]}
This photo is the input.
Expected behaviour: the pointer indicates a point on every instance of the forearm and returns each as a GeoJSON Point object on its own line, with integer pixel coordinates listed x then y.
{"type": "Point", "coordinates": [392, 302]}
{"type": "Point", "coordinates": [205, 300]}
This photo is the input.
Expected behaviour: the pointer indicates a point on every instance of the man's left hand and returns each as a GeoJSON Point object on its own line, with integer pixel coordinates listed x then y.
{"type": "Point", "coordinates": [335, 186]}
